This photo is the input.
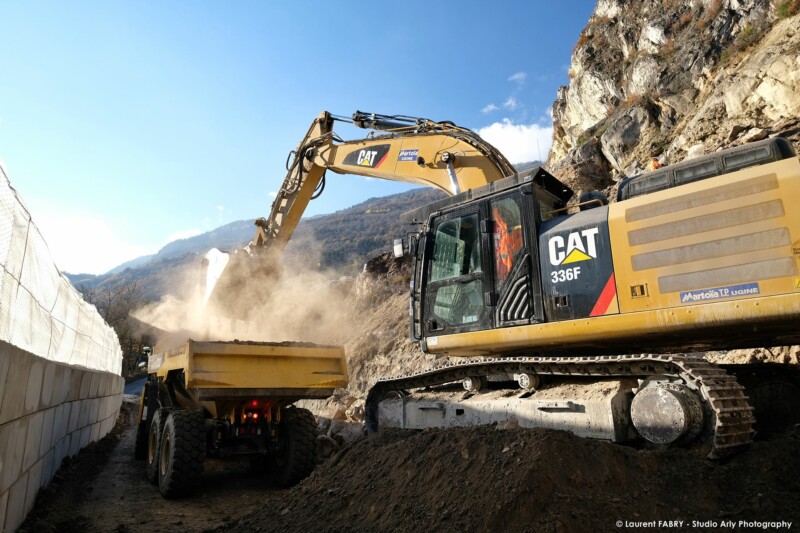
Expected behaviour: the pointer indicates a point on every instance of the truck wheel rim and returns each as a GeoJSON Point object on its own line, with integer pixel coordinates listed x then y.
{"type": "Point", "coordinates": [166, 448]}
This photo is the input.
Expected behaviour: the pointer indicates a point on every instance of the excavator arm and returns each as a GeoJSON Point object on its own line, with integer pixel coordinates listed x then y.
{"type": "Point", "coordinates": [399, 148]}
{"type": "Point", "coordinates": [412, 150]}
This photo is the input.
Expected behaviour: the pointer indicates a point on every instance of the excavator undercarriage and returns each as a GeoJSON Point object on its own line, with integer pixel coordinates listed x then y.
{"type": "Point", "coordinates": [661, 399]}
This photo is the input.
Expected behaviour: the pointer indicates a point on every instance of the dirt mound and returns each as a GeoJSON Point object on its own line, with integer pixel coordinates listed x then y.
{"type": "Point", "coordinates": [532, 480]}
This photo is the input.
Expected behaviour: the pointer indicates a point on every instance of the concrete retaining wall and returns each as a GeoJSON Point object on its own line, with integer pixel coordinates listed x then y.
{"type": "Point", "coordinates": [48, 411]}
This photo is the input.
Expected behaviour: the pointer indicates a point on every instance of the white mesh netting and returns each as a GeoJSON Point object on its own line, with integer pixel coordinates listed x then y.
{"type": "Point", "coordinates": [40, 311]}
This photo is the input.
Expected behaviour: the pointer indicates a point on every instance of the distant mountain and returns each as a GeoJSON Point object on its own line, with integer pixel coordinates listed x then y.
{"type": "Point", "coordinates": [341, 242]}
{"type": "Point", "coordinates": [133, 263]}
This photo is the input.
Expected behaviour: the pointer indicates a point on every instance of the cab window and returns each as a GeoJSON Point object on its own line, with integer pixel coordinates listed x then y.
{"type": "Point", "coordinates": [457, 248]}
{"type": "Point", "coordinates": [507, 237]}
{"type": "Point", "coordinates": [456, 273]}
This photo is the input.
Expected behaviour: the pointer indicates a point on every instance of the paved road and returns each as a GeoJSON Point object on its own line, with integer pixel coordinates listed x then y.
{"type": "Point", "coordinates": [135, 386]}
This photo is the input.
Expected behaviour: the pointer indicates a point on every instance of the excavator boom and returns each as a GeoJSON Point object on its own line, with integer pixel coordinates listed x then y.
{"type": "Point", "coordinates": [435, 154]}
{"type": "Point", "coordinates": [408, 149]}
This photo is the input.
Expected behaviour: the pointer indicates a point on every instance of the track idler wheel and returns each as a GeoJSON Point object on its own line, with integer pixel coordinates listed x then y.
{"type": "Point", "coordinates": [528, 382]}
{"type": "Point", "coordinates": [474, 383]}
{"type": "Point", "coordinates": [667, 413]}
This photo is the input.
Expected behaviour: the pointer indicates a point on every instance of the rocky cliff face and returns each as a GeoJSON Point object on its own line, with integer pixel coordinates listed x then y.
{"type": "Point", "coordinates": [671, 79]}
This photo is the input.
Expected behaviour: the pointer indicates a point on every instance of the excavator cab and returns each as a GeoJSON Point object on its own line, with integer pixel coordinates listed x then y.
{"type": "Point", "coordinates": [505, 268]}
{"type": "Point", "coordinates": [477, 265]}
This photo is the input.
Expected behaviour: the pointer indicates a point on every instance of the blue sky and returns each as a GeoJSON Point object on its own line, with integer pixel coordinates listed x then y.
{"type": "Point", "coordinates": [124, 125]}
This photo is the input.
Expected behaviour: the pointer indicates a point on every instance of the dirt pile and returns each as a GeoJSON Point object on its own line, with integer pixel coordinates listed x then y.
{"type": "Point", "coordinates": [484, 479]}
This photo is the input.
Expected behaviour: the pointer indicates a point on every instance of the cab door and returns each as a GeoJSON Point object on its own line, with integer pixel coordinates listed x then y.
{"type": "Point", "coordinates": [458, 286]}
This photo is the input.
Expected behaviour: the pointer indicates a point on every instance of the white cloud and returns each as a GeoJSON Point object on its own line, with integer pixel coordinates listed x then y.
{"type": "Point", "coordinates": [489, 108]}
{"type": "Point", "coordinates": [520, 143]}
{"type": "Point", "coordinates": [273, 193]}
{"type": "Point", "coordinates": [511, 103]}
{"type": "Point", "coordinates": [82, 243]}
{"type": "Point", "coordinates": [220, 208]}
{"type": "Point", "coordinates": [518, 77]}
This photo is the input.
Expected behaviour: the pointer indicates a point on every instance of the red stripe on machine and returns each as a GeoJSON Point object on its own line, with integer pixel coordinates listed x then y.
{"type": "Point", "coordinates": [609, 291]}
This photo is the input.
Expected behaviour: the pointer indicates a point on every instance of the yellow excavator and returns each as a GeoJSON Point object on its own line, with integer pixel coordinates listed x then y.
{"type": "Point", "coordinates": [593, 311]}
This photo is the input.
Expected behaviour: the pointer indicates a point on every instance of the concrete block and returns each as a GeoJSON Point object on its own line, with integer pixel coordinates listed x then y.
{"type": "Point", "coordinates": [74, 416]}
{"type": "Point", "coordinates": [16, 386]}
{"type": "Point", "coordinates": [3, 508]}
{"type": "Point", "coordinates": [6, 443]}
{"type": "Point", "coordinates": [94, 413]}
{"type": "Point", "coordinates": [102, 408]}
{"type": "Point", "coordinates": [105, 427]}
{"type": "Point", "coordinates": [61, 422]}
{"type": "Point", "coordinates": [86, 410]}
{"type": "Point", "coordinates": [74, 443]}
{"type": "Point", "coordinates": [33, 440]}
{"type": "Point", "coordinates": [46, 442]}
{"type": "Point", "coordinates": [107, 407]}
{"type": "Point", "coordinates": [63, 377]}
{"type": "Point", "coordinates": [13, 452]}
{"type": "Point", "coordinates": [102, 386]}
{"type": "Point", "coordinates": [86, 434]}
{"type": "Point", "coordinates": [49, 468]}
{"type": "Point", "coordinates": [113, 405]}
{"type": "Point", "coordinates": [48, 385]}
{"type": "Point", "coordinates": [116, 403]}
{"type": "Point", "coordinates": [94, 385]}
{"type": "Point", "coordinates": [15, 514]}
{"type": "Point", "coordinates": [117, 385]}
{"type": "Point", "coordinates": [61, 450]}
{"type": "Point", "coordinates": [34, 484]}
{"type": "Point", "coordinates": [95, 435]}
{"type": "Point", "coordinates": [86, 384]}
{"type": "Point", "coordinates": [34, 391]}
{"type": "Point", "coordinates": [74, 392]}
{"type": "Point", "coordinates": [5, 362]}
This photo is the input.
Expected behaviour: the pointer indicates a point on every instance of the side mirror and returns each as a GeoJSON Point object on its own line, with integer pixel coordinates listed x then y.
{"type": "Point", "coordinates": [398, 248]}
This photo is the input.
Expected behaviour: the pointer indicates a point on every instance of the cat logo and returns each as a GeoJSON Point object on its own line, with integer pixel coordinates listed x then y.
{"type": "Point", "coordinates": [366, 158]}
{"type": "Point", "coordinates": [371, 157]}
{"type": "Point", "coordinates": [580, 246]}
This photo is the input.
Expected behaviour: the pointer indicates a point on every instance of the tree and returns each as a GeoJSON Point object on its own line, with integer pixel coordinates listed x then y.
{"type": "Point", "coordinates": [115, 304]}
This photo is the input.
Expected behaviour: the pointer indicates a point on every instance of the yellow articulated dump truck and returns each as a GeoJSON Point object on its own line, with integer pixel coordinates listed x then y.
{"type": "Point", "coordinates": [233, 400]}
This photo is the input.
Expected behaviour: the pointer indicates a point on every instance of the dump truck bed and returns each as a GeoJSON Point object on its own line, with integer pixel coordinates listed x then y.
{"type": "Point", "coordinates": [223, 370]}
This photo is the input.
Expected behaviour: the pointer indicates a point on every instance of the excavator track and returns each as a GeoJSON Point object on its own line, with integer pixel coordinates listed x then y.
{"type": "Point", "coordinates": [723, 397]}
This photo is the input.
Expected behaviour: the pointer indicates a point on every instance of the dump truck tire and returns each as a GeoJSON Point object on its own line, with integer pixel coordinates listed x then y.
{"type": "Point", "coordinates": [296, 455]}
{"type": "Point", "coordinates": [182, 452]}
{"type": "Point", "coordinates": [140, 448]}
{"type": "Point", "coordinates": [154, 443]}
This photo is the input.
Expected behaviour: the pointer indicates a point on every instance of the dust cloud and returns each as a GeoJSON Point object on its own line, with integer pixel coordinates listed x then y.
{"type": "Point", "coordinates": [254, 301]}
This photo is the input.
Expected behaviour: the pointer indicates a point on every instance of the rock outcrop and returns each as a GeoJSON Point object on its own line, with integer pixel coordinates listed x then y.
{"type": "Point", "coordinates": [671, 79]}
